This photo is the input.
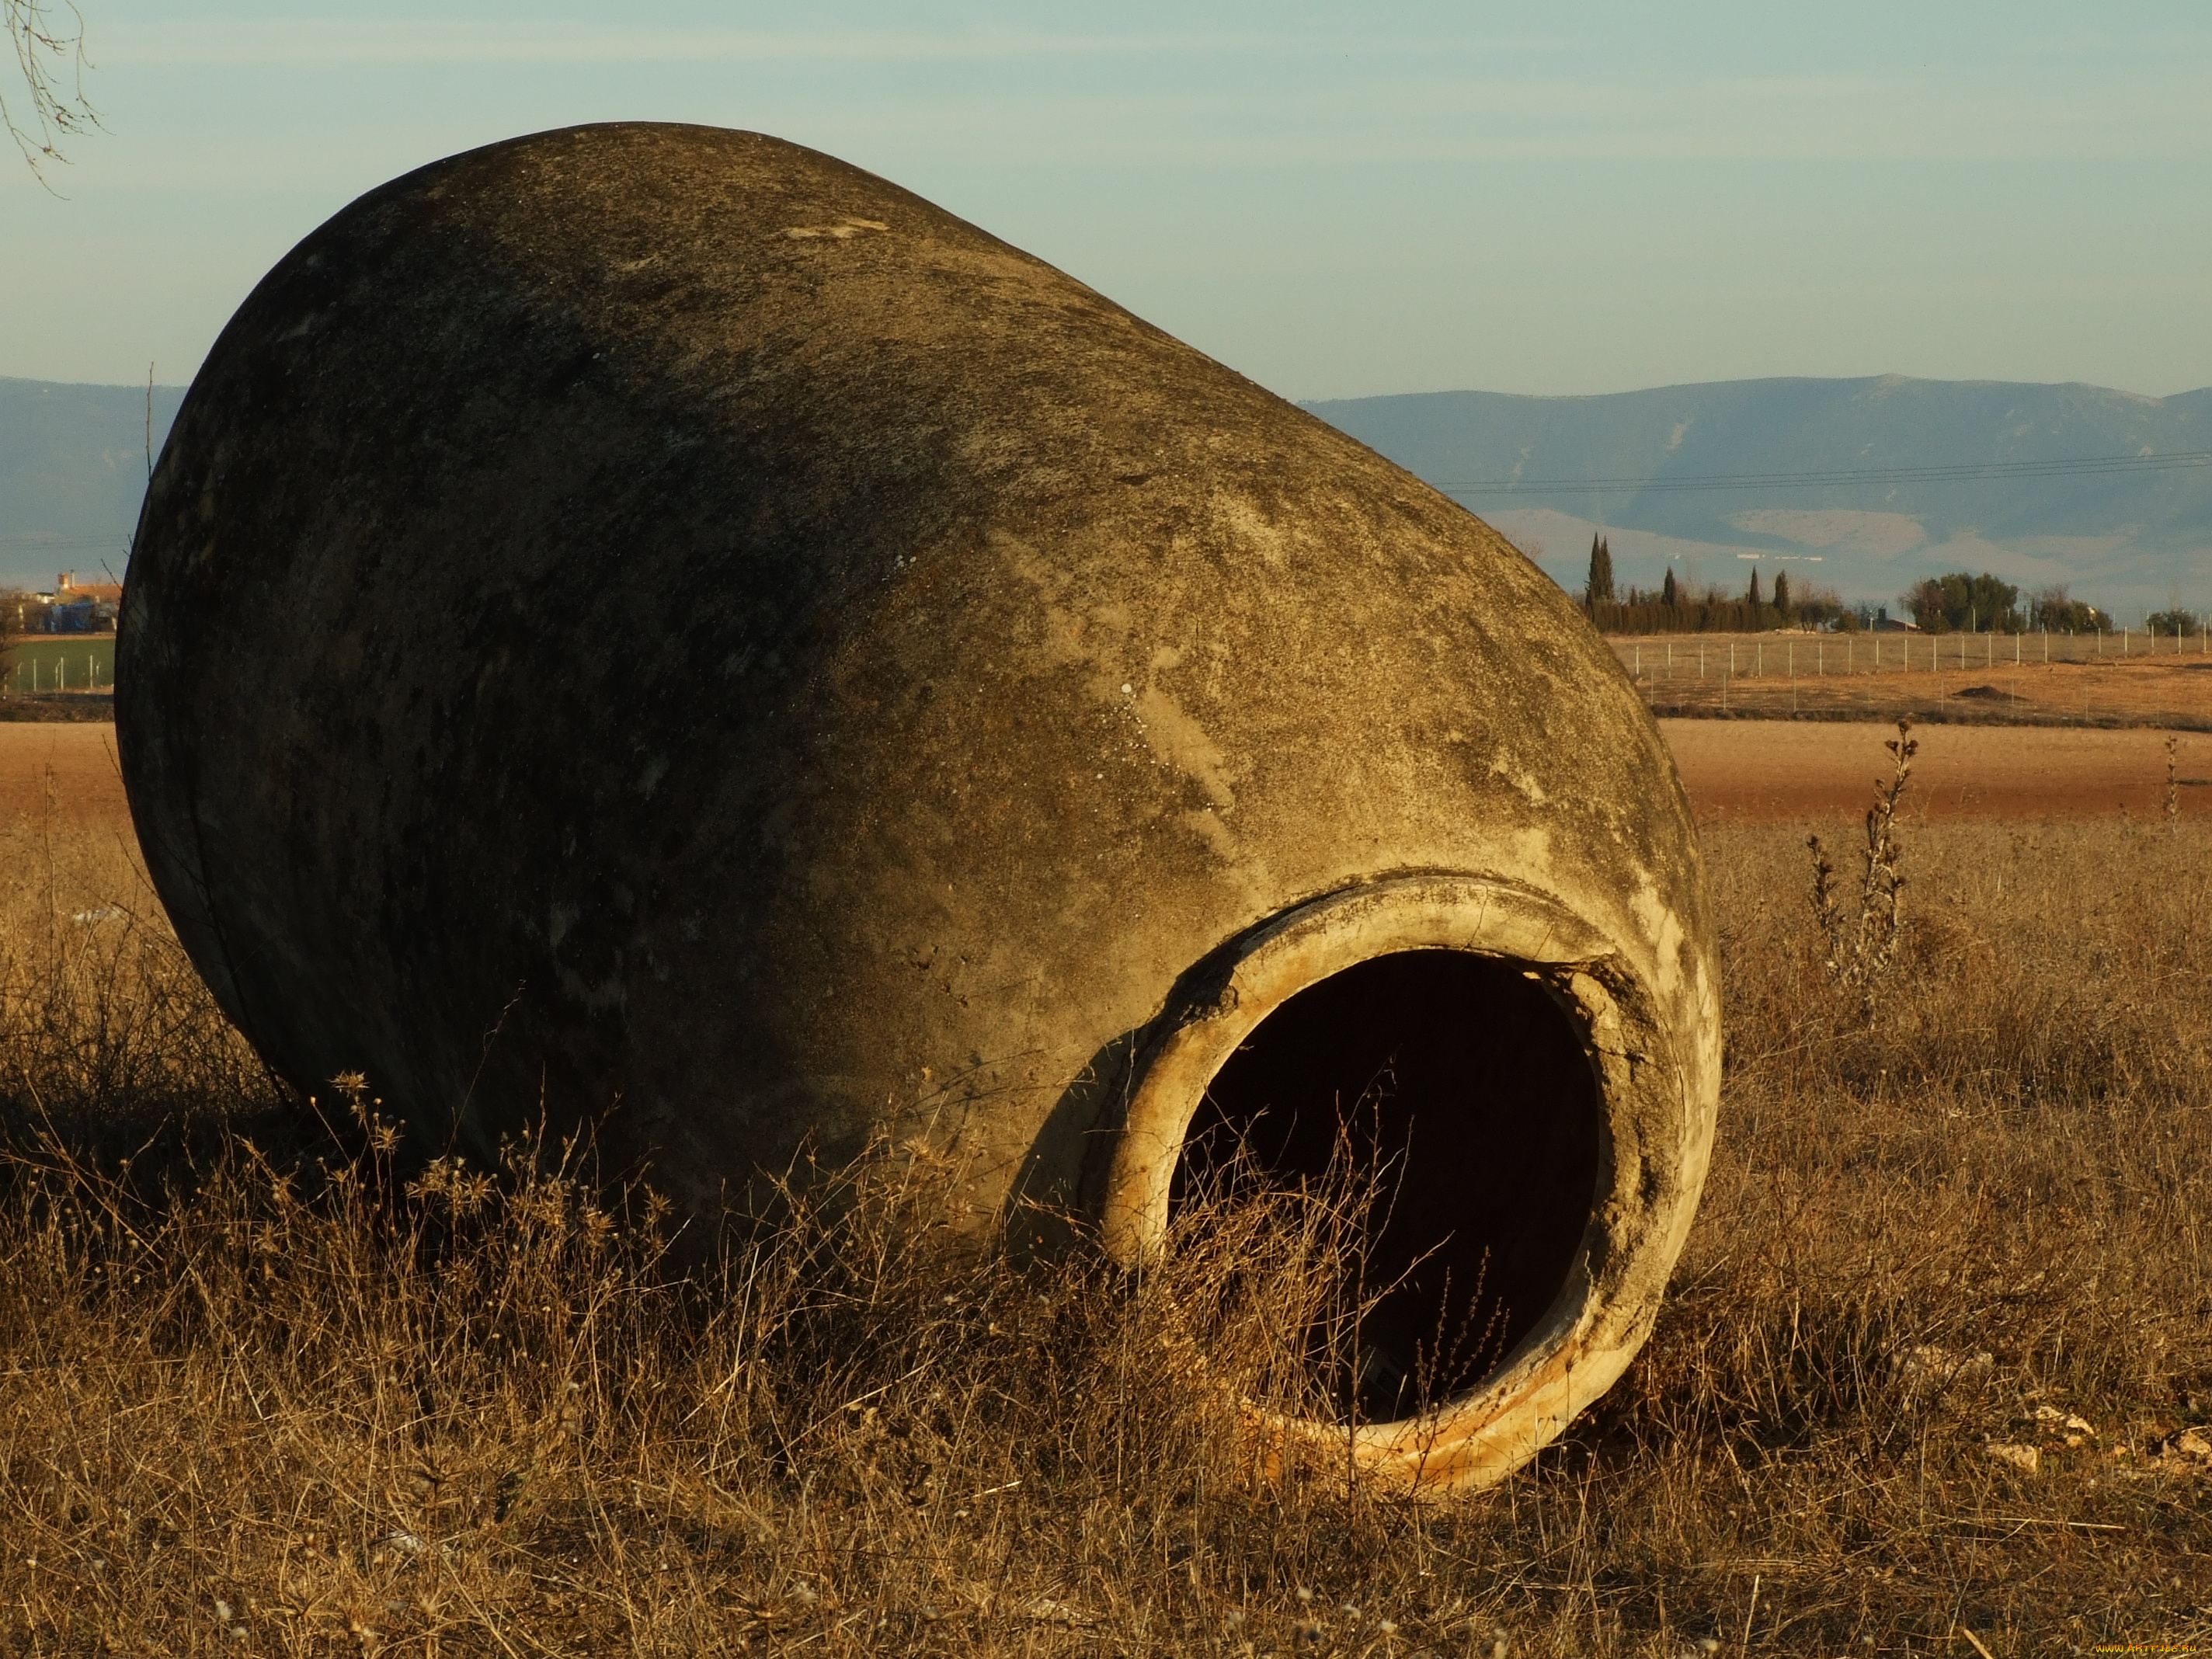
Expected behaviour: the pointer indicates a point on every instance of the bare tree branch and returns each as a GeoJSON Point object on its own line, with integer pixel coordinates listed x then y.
{"type": "Point", "coordinates": [49, 105]}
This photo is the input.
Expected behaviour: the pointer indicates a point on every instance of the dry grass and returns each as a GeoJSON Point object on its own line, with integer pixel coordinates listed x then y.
{"type": "Point", "coordinates": [292, 1400]}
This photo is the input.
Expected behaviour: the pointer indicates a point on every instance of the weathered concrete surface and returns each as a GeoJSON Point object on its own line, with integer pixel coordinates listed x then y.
{"type": "Point", "coordinates": [654, 618]}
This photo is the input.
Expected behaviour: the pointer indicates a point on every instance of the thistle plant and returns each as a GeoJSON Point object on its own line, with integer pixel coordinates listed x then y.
{"type": "Point", "coordinates": [1863, 947]}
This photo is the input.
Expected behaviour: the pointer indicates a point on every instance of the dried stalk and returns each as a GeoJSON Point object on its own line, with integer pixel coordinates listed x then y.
{"type": "Point", "coordinates": [1862, 948]}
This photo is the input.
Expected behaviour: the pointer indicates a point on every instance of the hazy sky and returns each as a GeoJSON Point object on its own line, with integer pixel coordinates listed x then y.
{"type": "Point", "coordinates": [1336, 200]}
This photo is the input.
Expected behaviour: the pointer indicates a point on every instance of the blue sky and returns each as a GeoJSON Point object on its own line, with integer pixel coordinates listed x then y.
{"type": "Point", "coordinates": [1336, 200]}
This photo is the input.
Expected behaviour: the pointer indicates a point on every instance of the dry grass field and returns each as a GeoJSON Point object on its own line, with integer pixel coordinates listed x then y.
{"type": "Point", "coordinates": [1932, 1379]}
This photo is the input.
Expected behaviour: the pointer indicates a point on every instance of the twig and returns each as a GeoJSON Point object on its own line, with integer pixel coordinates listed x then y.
{"type": "Point", "coordinates": [54, 114]}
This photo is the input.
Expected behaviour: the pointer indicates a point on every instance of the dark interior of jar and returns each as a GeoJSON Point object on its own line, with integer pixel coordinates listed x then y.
{"type": "Point", "coordinates": [1444, 1104]}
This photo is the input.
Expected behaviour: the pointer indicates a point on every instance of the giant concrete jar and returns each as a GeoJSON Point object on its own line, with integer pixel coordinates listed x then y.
{"type": "Point", "coordinates": [652, 622]}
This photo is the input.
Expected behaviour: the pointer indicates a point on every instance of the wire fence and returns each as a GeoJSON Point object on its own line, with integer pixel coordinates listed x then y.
{"type": "Point", "coordinates": [1669, 657]}
{"type": "Point", "coordinates": [41, 665]}
{"type": "Point", "coordinates": [2125, 678]}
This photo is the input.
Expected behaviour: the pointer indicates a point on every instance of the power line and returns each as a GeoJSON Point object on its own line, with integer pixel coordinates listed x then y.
{"type": "Point", "coordinates": [1963, 472]}
{"type": "Point", "coordinates": [33, 543]}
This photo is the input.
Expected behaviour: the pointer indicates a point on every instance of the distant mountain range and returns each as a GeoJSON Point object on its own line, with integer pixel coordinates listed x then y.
{"type": "Point", "coordinates": [1916, 478]}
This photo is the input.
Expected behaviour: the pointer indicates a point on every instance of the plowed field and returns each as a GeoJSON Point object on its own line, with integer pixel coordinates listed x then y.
{"type": "Point", "coordinates": [1736, 770]}
{"type": "Point", "coordinates": [69, 763]}
{"type": "Point", "coordinates": [1773, 771]}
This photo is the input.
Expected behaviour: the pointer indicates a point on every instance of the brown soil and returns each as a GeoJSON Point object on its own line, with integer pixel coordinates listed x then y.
{"type": "Point", "coordinates": [75, 761]}
{"type": "Point", "coordinates": [1748, 771]}
{"type": "Point", "coordinates": [1772, 771]}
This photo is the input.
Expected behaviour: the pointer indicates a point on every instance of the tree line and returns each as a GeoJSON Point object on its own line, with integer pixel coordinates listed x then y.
{"type": "Point", "coordinates": [1953, 604]}
{"type": "Point", "coordinates": [1960, 604]}
{"type": "Point", "coordinates": [1675, 607]}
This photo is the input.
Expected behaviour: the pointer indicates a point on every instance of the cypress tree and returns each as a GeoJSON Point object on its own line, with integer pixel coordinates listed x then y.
{"type": "Point", "coordinates": [1752, 599]}
{"type": "Point", "coordinates": [1599, 587]}
{"type": "Point", "coordinates": [1667, 595]}
{"type": "Point", "coordinates": [1782, 593]}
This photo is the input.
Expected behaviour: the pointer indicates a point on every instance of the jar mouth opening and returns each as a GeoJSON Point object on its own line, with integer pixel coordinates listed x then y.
{"type": "Point", "coordinates": [1546, 1149]}
{"type": "Point", "coordinates": [1434, 1114]}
